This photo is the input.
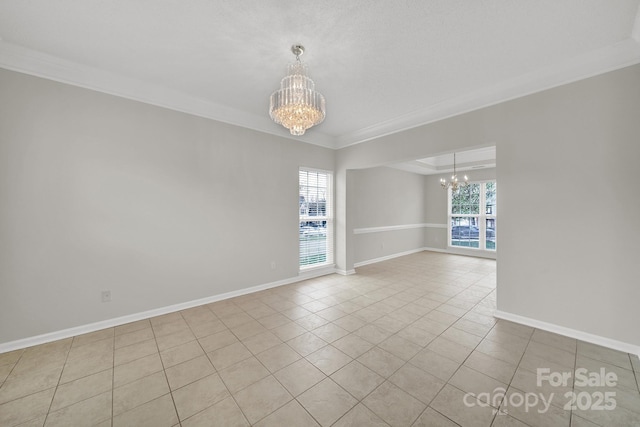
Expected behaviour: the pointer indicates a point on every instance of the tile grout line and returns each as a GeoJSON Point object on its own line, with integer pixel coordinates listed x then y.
{"type": "Point", "coordinates": [113, 374]}
{"type": "Point", "coordinates": [217, 371]}
{"type": "Point", "coordinates": [437, 336]}
{"type": "Point", "coordinates": [423, 348]}
{"type": "Point", "coordinates": [333, 288]}
{"type": "Point", "coordinates": [573, 383]}
{"type": "Point", "coordinates": [518, 366]}
{"type": "Point", "coordinates": [633, 369]}
{"type": "Point", "coordinates": [22, 352]}
{"type": "Point", "coordinates": [64, 365]}
{"type": "Point", "coordinates": [325, 375]}
{"type": "Point", "coordinates": [294, 398]}
{"type": "Point", "coordinates": [9, 374]}
{"type": "Point", "coordinates": [496, 410]}
{"type": "Point", "coordinates": [175, 408]}
{"type": "Point", "coordinates": [252, 355]}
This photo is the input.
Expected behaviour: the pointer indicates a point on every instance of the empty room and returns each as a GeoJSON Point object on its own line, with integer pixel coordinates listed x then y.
{"type": "Point", "coordinates": [463, 251]}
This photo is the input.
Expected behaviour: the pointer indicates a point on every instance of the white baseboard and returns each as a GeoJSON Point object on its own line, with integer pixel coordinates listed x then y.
{"type": "Point", "coordinates": [444, 251]}
{"type": "Point", "coordinates": [465, 252]}
{"type": "Point", "coordinates": [387, 257]}
{"type": "Point", "coordinates": [413, 251]}
{"type": "Point", "coordinates": [572, 333]}
{"type": "Point", "coordinates": [310, 274]}
{"type": "Point", "coordinates": [346, 272]}
{"type": "Point", "coordinates": [109, 323]}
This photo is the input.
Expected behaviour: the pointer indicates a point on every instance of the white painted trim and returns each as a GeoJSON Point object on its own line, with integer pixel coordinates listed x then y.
{"type": "Point", "coordinates": [479, 253]}
{"type": "Point", "coordinates": [444, 251]}
{"type": "Point", "coordinates": [413, 251]}
{"type": "Point", "coordinates": [599, 61]}
{"type": "Point", "coordinates": [573, 333]}
{"type": "Point", "coordinates": [311, 272]}
{"type": "Point", "coordinates": [346, 272]}
{"type": "Point", "coordinates": [609, 58]}
{"type": "Point", "coordinates": [388, 257]}
{"type": "Point", "coordinates": [27, 61]}
{"type": "Point", "coordinates": [92, 327]}
{"type": "Point", "coordinates": [366, 230]}
{"type": "Point", "coordinates": [476, 253]}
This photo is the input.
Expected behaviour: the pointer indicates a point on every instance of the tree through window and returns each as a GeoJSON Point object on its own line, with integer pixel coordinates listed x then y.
{"type": "Point", "coordinates": [472, 216]}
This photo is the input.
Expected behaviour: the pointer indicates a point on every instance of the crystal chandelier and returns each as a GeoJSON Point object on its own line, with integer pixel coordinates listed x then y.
{"type": "Point", "coordinates": [297, 106]}
{"type": "Point", "coordinates": [454, 184]}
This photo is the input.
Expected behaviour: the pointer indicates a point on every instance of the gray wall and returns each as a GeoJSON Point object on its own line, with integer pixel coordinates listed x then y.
{"type": "Point", "coordinates": [383, 197]}
{"type": "Point", "coordinates": [567, 169]}
{"type": "Point", "coordinates": [99, 192]}
{"type": "Point", "coordinates": [568, 229]}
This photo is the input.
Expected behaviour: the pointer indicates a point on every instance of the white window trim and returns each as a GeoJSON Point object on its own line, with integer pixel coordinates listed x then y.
{"type": "Point", "coordinates": [329, 218]}
{"type": "Point", "coordinates": [482, 220]}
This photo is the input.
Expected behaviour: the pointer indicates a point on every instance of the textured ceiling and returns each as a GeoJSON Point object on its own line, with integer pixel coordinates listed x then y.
{"type": "Point", "coordinates": [383, 66]}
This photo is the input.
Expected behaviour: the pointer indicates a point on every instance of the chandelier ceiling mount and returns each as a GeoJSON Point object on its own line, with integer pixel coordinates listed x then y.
{"type": "Point", "coordinates": [298, 51]}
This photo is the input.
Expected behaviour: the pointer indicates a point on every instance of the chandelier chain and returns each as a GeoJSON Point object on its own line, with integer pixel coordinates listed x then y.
{"type": "Point", "coordinates": [454, 184]}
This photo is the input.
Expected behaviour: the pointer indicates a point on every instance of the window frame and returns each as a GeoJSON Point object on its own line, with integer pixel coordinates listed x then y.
{"type": "Point", "coordinates": [328, 218]}
{"type": "Point", "coordinates": [482, 217]}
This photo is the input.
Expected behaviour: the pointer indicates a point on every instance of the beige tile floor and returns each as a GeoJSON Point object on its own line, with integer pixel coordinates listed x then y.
{"type": "Point", "coordinates": [406, 342]}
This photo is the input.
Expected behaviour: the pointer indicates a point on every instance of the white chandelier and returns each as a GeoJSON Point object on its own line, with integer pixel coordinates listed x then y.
{"type": "Point", "coordinates": [297, 106]}
{"type": "Point", "coordinates": [454, 184]}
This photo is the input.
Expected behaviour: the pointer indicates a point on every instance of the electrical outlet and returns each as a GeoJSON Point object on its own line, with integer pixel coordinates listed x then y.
{"type": "Point", "coordinates": [106, 296]}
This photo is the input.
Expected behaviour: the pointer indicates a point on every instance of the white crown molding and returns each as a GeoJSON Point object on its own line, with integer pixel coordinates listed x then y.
{"type": "Point", "coordinates": [27, 61]}
{"type": "Point", "coordinates": [17, 58]}
{"type": "Point", "coordinates": [596, 62]}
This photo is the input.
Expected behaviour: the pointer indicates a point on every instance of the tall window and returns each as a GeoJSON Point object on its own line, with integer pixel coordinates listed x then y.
{"type": "Point", "coordinates": [316, 218]}
{"type": "Point", "coordinates": [472, 216]}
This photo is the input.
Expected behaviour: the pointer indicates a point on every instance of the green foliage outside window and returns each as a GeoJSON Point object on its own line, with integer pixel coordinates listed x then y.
{"type": "Point", "coordinates": [466, 200]}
